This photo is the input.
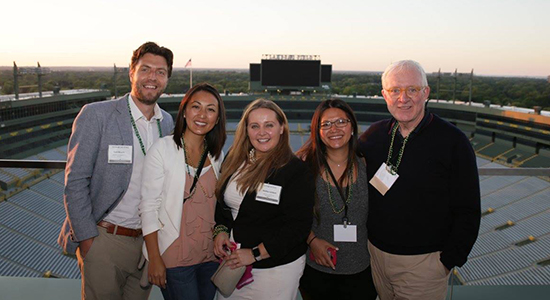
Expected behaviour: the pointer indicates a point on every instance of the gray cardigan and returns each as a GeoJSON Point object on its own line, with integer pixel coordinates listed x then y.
{"type": "Point", "coordinates": [352, 257]}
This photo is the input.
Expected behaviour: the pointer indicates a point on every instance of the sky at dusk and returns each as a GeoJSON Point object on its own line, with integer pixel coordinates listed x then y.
{"type": "Point", "coordinates": [493, 37]}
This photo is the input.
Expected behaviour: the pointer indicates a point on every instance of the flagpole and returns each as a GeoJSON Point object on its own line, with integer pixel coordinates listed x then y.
{"type": "Point", "coordinates": [190, 64]}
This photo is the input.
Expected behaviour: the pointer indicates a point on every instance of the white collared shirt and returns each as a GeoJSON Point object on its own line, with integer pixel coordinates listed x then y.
{"type": "Point", "coordinates": [126, 212]}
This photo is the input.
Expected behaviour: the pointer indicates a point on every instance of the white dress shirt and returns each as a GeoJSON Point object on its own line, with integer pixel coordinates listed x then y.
{"type": "Point", "coordinates": [126, 212]}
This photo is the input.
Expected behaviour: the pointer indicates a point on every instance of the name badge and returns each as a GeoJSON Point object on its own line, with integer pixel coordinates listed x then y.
{"type": "Point", "coordinates": [269, 193]}
{"type": "Point", "coordinates": [383, 179]}
{"type": "Point", "coordinates": [346, 233]}
{"type": "Point", "coordinates": [120, 154]}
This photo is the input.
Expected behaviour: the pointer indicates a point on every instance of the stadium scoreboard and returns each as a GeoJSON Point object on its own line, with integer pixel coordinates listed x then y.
{"type": "Point", "coordinates": [283, 73]}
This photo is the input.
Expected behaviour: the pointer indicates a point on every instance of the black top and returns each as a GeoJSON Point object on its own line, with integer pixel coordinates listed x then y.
{"type": "Point", "coordinates": [434, 205]}
{"type": "Point", "coordinates": [283, 228]}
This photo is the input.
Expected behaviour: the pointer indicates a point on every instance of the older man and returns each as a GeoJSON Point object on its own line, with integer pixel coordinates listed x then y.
{"type": "Point", "coordinates": [103, 179]}
{"type": "Point", "coordinates": [424, 191]}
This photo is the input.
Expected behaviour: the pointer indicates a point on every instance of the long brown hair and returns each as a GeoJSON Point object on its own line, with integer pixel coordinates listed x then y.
{"type": "Point", "coordinates": [252, 175]}
{"type": "Point", "coordinates": [313, 152]}
{"type": "Point", "coordinates": [215, 138]}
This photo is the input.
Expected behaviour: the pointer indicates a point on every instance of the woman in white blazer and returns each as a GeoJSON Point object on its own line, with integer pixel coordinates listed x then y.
{"type": "Point", "coordinates": [178, 200]}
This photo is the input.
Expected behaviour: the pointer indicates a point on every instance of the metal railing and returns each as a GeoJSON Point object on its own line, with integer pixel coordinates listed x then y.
{"type": "Point", "coordinates": [514, 172]}
{"type": "Point", "coordinates": [60, 164]}
{"type": "Point", "coordinates": [32, 164]}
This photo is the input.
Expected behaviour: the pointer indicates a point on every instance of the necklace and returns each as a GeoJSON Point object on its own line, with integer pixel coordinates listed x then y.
{"type": "Point", "coordinates": [338, 164]}
{"type": "Point", "coordinates": [204, 191]}
{"type": "Point", "coordinates": [350, 191]}
{"type": "Point", "coordinates": [136, 130]}
{"type": "Point", "coordinates": [392, 168]}
{"type": "Point", "coordinates": [187, 163]}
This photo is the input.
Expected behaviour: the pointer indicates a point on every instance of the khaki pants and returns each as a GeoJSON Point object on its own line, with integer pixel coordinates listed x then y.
{"type": "Point", "coordinates": [109, 270]}
{"type": "Point", "coordinates": [412, 277]}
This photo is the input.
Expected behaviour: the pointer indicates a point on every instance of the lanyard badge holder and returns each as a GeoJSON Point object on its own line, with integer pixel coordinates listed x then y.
{"type": "Point", "coordinates": [386, 175]}
{"type": "Point", "coordinates": [345, 232]}
{"type": "Point", "coordinates": [198, 171]}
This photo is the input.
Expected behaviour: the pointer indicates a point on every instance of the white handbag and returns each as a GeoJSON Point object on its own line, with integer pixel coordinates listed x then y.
{"type": "Point", "coordinates": [226, 279]}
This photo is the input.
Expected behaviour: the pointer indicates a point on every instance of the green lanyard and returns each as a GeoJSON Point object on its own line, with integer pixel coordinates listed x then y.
{"type": "Point", "coordinates": [197, 172]}
{"type": "Point", "coordinates": [350, 190]}
{"type": "Point", "coordinates": [137, 132]}
{"type": "Point", "coordinates": [392, 168]}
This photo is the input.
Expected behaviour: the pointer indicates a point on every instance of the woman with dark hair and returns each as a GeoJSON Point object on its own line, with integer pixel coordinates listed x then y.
{"type": "Point", "coordinates": [338, 266]}
{"type": "Point", "coordinates": [265, 200]}
{"type": "Point", "coordinates": [178, 198]}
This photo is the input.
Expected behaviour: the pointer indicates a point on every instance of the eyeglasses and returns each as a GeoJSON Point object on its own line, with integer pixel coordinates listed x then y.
{"type": "Point", "coordinates": [410, 91]}
{"type": "Point", "coordinates": [340, 123]}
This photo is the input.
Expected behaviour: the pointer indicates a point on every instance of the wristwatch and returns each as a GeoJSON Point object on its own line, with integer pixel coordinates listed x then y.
{"type": "Point", "coordinates": [256, 253]}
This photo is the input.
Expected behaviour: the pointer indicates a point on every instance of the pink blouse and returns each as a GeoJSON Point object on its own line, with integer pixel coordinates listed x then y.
{"type": "Point", "coordinates": [194, 244]}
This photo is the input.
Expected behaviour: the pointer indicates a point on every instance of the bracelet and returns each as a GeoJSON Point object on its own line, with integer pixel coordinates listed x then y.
{"type": "Point", "coordinates": [311, 240]}
{"type": "Point", "coordinates": [219, 229]}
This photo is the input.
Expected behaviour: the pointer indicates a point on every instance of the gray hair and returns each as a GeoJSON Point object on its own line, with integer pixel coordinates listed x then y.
{"type": "Point", "coordinates": [404, 65]}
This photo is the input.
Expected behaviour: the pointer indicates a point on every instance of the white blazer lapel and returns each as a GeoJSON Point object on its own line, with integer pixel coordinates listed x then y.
{"type": "Point", "coordinates": [176, 182]}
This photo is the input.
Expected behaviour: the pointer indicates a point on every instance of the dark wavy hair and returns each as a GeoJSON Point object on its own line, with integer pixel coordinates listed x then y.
{"type": "Point", "coordinates": [155, 49]}
{"type": "Point", "coordinates": [313, 152]}
{"type": "Point", "coordinates": [215, 138]}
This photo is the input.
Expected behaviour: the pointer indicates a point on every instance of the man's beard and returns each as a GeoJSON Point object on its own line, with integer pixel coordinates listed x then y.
{"type": "Point", "coordinates": [141, 97]}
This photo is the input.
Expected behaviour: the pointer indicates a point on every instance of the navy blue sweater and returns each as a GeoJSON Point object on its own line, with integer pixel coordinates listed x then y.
{"type": "Point", "coordinates": [435, 203]}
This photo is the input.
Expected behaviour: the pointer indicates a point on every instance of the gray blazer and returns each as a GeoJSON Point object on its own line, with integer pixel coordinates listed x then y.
{"type": "Point", "coordinates": [94, 187]}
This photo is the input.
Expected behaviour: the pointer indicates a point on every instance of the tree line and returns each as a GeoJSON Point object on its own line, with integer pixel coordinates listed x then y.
{"type": "Point", "coordinates": [514, 91]}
